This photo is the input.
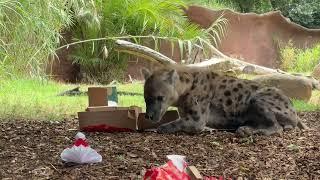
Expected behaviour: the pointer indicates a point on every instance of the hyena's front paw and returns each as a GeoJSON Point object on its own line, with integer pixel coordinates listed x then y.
{"type": "Point", "coordinates": [288, 127]}
{"type": "Point", "coordinates": [244, 131]}
{"type": "Point", "coordinates": [166, 129]}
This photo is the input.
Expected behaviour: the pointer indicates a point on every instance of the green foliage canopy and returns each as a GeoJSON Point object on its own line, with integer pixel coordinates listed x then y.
{"type": "Point", "coordinates": [303, 12]}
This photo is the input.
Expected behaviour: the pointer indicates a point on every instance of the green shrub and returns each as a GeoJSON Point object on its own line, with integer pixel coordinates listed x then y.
{"type": "Point", "coordinates": [288, 55]}
{"type": "Point", "coordinates": [303, 12]}
{"type": "Point", "coordinates": [300, 60]}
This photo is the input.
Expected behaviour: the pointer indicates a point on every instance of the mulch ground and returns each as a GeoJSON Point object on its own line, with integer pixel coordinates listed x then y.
{"type": "Point", "coordinates": [31, 150]}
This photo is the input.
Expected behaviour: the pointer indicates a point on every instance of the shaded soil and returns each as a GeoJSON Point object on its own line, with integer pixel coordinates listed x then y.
{"type": "Point", "coordinates": [31, 150]}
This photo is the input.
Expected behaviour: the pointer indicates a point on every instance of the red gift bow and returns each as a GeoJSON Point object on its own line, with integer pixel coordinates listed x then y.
{"type": "Point", "coordinates": [82, 142]}
{"type": "Point", "coordinates": [166, 172]}
{"type": "Point", "coordinates": [105, 128]}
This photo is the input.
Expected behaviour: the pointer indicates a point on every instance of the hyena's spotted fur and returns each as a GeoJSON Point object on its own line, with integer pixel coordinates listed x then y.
{"type": "Point", "coordinates": [206, 99]}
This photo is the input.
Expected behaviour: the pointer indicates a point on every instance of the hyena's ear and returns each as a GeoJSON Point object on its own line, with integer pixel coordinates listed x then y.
{"type": "Point", "coordinates": [146, 73]}
{"type": "Point", "coordinates": [172, 76]}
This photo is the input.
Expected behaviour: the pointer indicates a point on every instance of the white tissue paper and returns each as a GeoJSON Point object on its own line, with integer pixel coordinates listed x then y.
{"type": "Point", "coordinates": [112, 104]}
{"type": "Point", "coordinates": [178, 161]}
{"type": "Point", "coordinates": [80, 135]}
{"type": "Point", "coordinates": [80, 152]}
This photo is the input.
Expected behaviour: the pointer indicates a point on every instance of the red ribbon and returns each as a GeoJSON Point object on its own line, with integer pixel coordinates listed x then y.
{"type": "Point", "coordinates": [82, 142]}
{"type": "Point", "coordinates": [105, 128]}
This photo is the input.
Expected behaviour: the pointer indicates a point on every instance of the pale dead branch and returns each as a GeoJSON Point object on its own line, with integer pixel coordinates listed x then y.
{"type": "Point", "coordinates": [221, 63]}
{"type": "Point", "coordinates": [142, 51]}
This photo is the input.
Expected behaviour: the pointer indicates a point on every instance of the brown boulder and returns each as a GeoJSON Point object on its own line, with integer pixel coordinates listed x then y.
{"type": "Point", "coordinates": [294, 87]}
{"type": "Point", "coordinates": [316, 72]}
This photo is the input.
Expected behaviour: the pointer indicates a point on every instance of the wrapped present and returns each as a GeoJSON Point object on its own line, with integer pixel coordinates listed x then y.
{"type": "Point", "coordinates": [174, 169]}
{"type": "Point", "coordinates": [80, 152]}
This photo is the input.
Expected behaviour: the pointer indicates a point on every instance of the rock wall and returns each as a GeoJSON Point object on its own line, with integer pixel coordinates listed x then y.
{"type": "Point", "coordinates": [255, 38]}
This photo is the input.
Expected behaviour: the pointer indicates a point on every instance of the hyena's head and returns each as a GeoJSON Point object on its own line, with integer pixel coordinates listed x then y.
{"type": "Point", "coordinates": [159, 92]}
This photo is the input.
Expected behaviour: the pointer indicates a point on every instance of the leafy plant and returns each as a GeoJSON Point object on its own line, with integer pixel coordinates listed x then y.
{"type": "Point", "coordinates": [303, 12]}
{"type": "Point", "coordinates": [288, 55]}
{"type": "Point", "coordinates": [136, 20]}
{"type": "Point", "coordinates": [300, 60]}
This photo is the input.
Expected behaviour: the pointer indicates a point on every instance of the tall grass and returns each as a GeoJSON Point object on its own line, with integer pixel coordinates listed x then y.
{"type": "Point", "coordinates": [299, 60]}
{"type": "Point", "coordinates": [29, 34]}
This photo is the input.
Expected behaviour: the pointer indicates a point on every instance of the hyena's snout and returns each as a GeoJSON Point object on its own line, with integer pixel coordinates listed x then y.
{"type": "Point", "coordinates": [149, 115]}
{"type": "Point", "coordinates": [152, 115]}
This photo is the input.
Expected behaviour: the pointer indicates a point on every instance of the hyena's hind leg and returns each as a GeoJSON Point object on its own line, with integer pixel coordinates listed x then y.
{"type": "Point", "coordinates": [290, 122]}
{"type": "Point", "coordinates": [281, 105]}
{"type": "Point", "coordinates": [259, 119]}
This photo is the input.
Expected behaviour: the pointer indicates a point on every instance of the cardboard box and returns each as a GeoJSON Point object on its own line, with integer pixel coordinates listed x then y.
{"type": "Point", "coordinates": [100, 114]}
{"type": "Point", "coordinates": [194, 173]}
{"type": "Point", "coordinates": [121, 117]}
{"type": "Point", "coordinates": [98, 96]}
{"type": "Point", "coordinates": [125, 117]}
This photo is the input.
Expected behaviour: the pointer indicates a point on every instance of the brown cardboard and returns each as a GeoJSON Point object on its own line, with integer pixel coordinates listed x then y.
{"type": "Point", "coordinates": [144, 123]}
{"type": "Point", "coordinates": [98, 96]}
{"type": "Point", "coordinates": [194, 173]}
{"type": "Point", "coordinates": [121, 118]}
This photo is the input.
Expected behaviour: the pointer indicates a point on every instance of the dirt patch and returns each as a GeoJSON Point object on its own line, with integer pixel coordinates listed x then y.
{"type": "Point", "coordinates": [31, 150]}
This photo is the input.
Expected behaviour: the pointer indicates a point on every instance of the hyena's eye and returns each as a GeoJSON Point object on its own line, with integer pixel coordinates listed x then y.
{"type": "Point", "coordinates": [160, 98]}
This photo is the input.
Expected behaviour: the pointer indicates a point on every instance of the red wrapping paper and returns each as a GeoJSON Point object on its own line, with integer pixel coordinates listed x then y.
{"type": "Point", "coordinates": [166, 172]}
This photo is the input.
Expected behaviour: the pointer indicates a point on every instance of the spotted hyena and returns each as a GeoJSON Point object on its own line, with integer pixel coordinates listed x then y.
{"type": "Point", "coordinates": [208, 100]}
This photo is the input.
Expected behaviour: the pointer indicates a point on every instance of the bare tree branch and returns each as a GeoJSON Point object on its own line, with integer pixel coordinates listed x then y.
{"type": "Point", "coordinates": [142, 51]}
{"type": "Point", "coordinates": [222, 63]}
